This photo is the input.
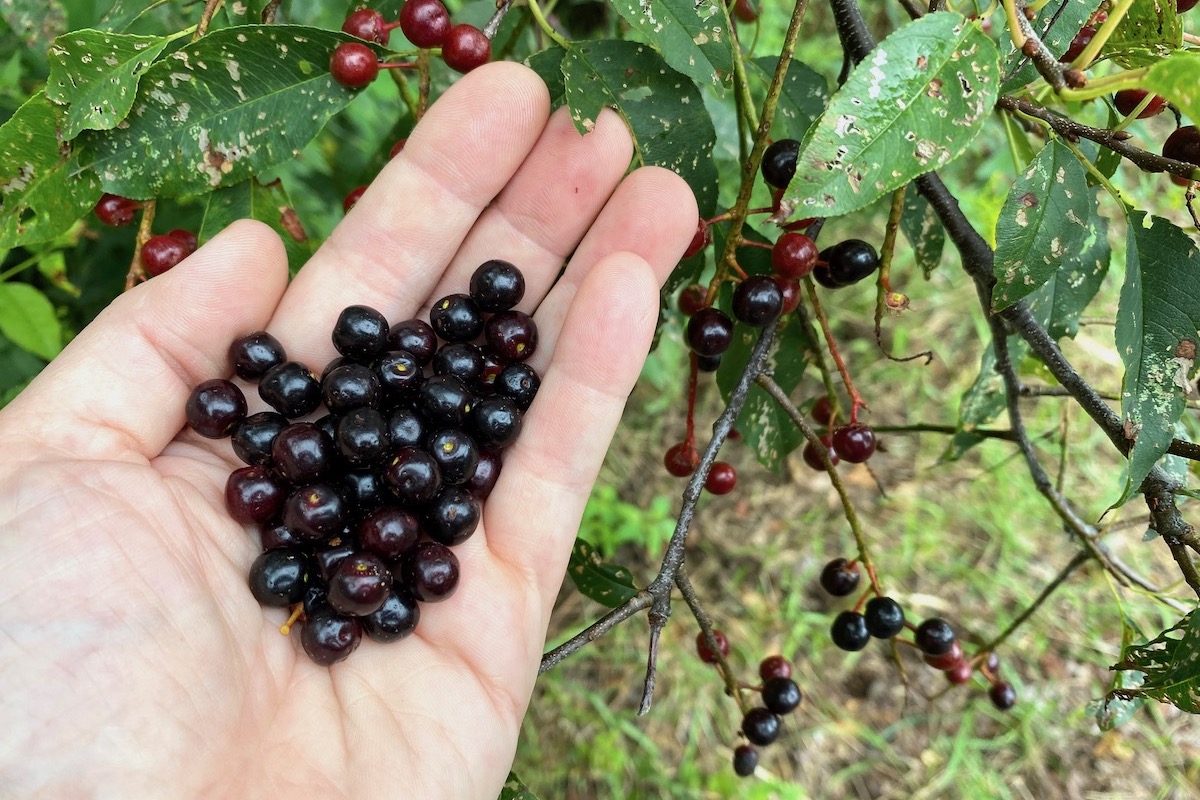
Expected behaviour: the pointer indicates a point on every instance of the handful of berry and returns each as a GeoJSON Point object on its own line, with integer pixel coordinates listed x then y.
{"type": "Point", "coordinates": [358, 510]}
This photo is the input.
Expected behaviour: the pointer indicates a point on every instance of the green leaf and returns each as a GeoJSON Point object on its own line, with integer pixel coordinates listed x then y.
{"type": "Point", "coordinates": [923, 230]}
{"type": "Point", "coordinates": [983, 401]}
{"type": "Point", "coordinates": [1177, 78]}
{"type": "Point", "coordinates": [36, 22]}
{"type": "Point", "coordinates": [607, 584]}
{"type": "Point", "coordinates": [664, 111]}
{"type": "Point", "coordinates": [1060, 301]}
{"type": "Point", "coordinates": [96, 74]}
{"type": "Point", "coordinates": [39, 198]}
{"type": "Point", "coordinates": [53, 267]}
{"type": "Point", "coordinates": [268, 203]}
{"type": "Point", "coordinates": [1151, 30]}
{"type": "Point", "coordinates": [219, 110]}
{"type": "Point", "coordinates": [1043, 221]}
{"type": "Point", "coordinates": [1057, 23]}
{"type": "Point", "coordinates": [514, 789]}
{"type": "Point", "coordinates": [1156, 335]}
{"type": "Point", "coordinates": [912, 106]}
{"type": "Point", "coordinates": [802, 98]}
{"type": "Point", "coordinates": [1170, 664]}
{"type": "Point", "coordinates": [27, 319]}
{"type": "Point", "coordinates": [691, 35]}
{"type": "Point", "coordinates": [548, 65]}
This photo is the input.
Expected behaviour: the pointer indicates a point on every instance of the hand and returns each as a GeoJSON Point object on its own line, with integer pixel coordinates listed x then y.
{"type": "Point", "coordinates": [135, 662]}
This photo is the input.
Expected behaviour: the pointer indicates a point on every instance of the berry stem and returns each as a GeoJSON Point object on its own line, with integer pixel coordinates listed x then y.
{"type": "Point", "coordinates": [1129, 79]}
{"type": "Point", "coordinates": [728, 215]}
{"type": "Point", "coordinates": [751, 243]}
{"type": "Point", "coordinates": [297, 613]}
{"type": "Point", "coordinates": [688, 592]}
{"type": "Point", "coordinates": [856, 401]}
{"type": "Point", "coordinates": [822, 367]}
{"type": "Point", "coordinates": [535, 8]}
{"type": "Point", "coordinates": [137, 273]}
{"type": "Point", "coordinates": [693, 383]}
{"type": "Point", "coordinates": [399, 65]}
{"type": "Point", "coordinates": [885, 292]}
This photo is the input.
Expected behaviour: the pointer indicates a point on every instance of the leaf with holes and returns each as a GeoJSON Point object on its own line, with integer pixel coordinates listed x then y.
{"type": "Point", "coordinates": [39, 198]}
{"type": "Point", "coordinates": [1177, 78]}
{"type": "Point", "coordinates": [1157, 320]}
{"type": "Point", "coordinates": [1060, 301]}
{"type": "Point", "coordinates": [219, 110]}
{"type": "Point", "coordinates": [268, 203]}
{"type": "Point", "coordinates": [1057, 23]}
{"type": "Point", "coordinates": [1042, 224]}
{"type": "Point", "coordinates": [514, 789]}
{"type": "Point", "coordinates": [692, 35]}
{"type": "Point", "coordinates": [923, 230]}
{"type": "Point", "coordinates": [1170, 665]}
{"type": "Point", "coordinates": [910, 107]}
{"type": "Point", "coordinates": [663, 109]}
{"type": "Point", "coordinates": [95, 74]}
{"type": "Point", "coordinates": [802, 97]}
{"type": "Point", "coordinates": [607, 584]}
{"type": "Point", "coordinates": [27, 319]}
{"type": "Point", "coordinates": [1150, 31]}
{"type": "Point", "coordinates": [548, 65]}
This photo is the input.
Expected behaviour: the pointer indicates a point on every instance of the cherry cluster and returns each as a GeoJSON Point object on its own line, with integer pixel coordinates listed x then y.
{"type": "Point", "coordinates": [159, 253]}
{"type": "Point", "coordinates": [357, 510]}
{"type": "Point", "coordinates": [882, 617]}
{"type": "Point", "coordinates": [425, 23]}
{"type": "Point", "coordinates": [854, 442]}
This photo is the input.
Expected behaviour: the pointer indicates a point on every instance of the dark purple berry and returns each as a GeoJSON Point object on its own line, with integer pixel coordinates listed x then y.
{"type": "Point", "coordinates": [779, 163]}
{"type": "Point", "coordinates": [445, 401]}
{"type": "Point", "coordinates": [456, 318]}
{"type": "Point", "coordinates": [395, 619]}
{"type": "Point", "coordinates": [275, 535]}
{"type": "Point", "coordinates": [487, 472]}
{"type": "Point", "coordinates": [254, 438]}
{"type": "Point", "coordinates": [761, 726]}
{"type": "Point", "coordinates": [463, 360]}
{"type": "Point", "coordinates": [935, 637]}
{"type": "Point", "coordinates": [363, 438]}
{"type": "Point", "coordinates": [255, 353]}
{"type": "Point", "coordinates": [708, 363]}
{"type": "Point", "coordinates": [456, 455]}
{"type": "Point", "coordinates": [279, 577]}
{"type": "Point", "coordinates": [884, 616]}
{"type": "Point", "coordinates": [431, 572]}
{"type": "Point", "coordinates": [1003, 695]}
{"type": "Point", "coordinates": [745, 760]}
{"type": "Point", "coordinates": [400, 374]}
{"type": "Point", "coordinates": [359, 584]}
{"type": "Point", "coordinates": [709, 332]}
{"type": "Point", "coordinates": [413, 476]}
{"type": "Point", "coordinates": [757, 300]}
{"type": "Point", "coordinates": [315, 511]}
{"type": "Point", "coordinates": [840, 577]}
{"type": "Point", "coordinates": [360, 333]}
{"type": "Point", "coordinates": [406, 428]}
{"type": "Point", "coordinates": [215, 408]}
{"type": "Point", "coordinates": [302, 453]}
{"type": "Point", "coordinates": [781, 695]}
{"type": "Point", "coordinates": [329, 637]}
{"type": "Point", "coordinates": [497, 286]}
{"type": "Point", "coordinates": [414, 337]}
{"type": "Point", "coordinates": [452, 516]}
{"type": "Point", "coordinates": [520, 383]}
{"type": "Point", "coordinates": [332, 552]}
{"type": "Point", "coordinates": [511, 335]}
{"type": "Point", "coordinates": [254, 494]}
{"type": "Point", "coordinates": [851, 261]}
{"type": "Point", "coordinates": [389, 532]}
{"type": "Point", "coordinates": [849, 631]}
{"type": "Point", "coordinates": [363, 490]}
{"type": "Point", "coordinates": [774, 667]}
{"type": "Point", "coordinates": [291, 388]}
{"type": "Point", "coordinates": [350, 386]}
{"type": "Point", "coordinates": [495, 422]}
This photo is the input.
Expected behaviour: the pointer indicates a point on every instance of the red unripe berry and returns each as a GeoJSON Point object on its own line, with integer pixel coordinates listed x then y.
{"type": "Point", "coordinates": [774, 667]}
{"type": "Point", "coordinates": [745, 11]}
{"type": "Point", "coordinates": [681, 459]}
{"type": "Point", "coordinates": [947, 660]}
{"type": "Point", "coordinates": [790, 292]}
{"type": "Point", "coordinates": [1127, 100]}
{"type": "Point", "coordinates": [812, 456]}
{"type": "Point", "coordinates": [800, 224]}
{"type": "Point", "coordinates": [692, 299]}
{"type": "Point", "coordinates": [822, 410]}
{"type": "Point", "coordinates": [466, 48]}
{"type": "Point", "coordinates": [701, 240]}
{"type": "Point", "coordinates": [353, 65]}
{"type": "Point", "coordinates": [721, 478]}
{"type": "Point", "coordinates": [1081, 40]}
{"type": "Point", "coordinates": [854, 443]}
{"type": "Point", "coordinates": [187, 237]}
{"type": "Point", "coordinates": [368, 24]}
{"type": "Point", "coordinates": [160, 253]}
{"type": "Point", "coordinates": [960, 673]}
{"type": "Point", "coordinates": [352, 198]}
{"type": "Point", "coordinates": [114, 210]}
{"type": "Point", "coordinates": [794, 255]}
{"type": "Point", "coordinates": [1185, 5]}
{"type": "Point", "coordinates": [425, 23]}
{"type": "Point", "coordinates": [1183, 145]}
{"type": "Point", "coordinates": [396, 148]}
{"type": "Point", "coordinates": [705, 652]}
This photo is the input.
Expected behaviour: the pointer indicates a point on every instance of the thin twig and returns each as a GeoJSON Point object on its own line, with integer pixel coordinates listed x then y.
{"type": "Point", "coordinates": [493, 25]}
{"type": "Point", "coordinates": [137, 271]}
{"type": "Point", "coordinates": [688, 592]}
{"type": "Point", "coordinates": [1059, 579]}
{"type": "Point", "coordinates": [591, 633]}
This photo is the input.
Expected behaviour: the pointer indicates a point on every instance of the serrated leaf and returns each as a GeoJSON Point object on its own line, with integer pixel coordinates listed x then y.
{"type": "Point", "coordinates": [912, 106]}
{"type": "Point", "coordinates": [607, 584]}
{"type": "Point", "coordinates": [1042, 223]}
{"type": "Point", "coordinates": [39, 198]}
{"type": "Point", "coordinates": [1060, 301]}
{"type": "Point", "coordinates": [1151, 30]}
{"type": "Point", "coordinates": [1177, 78]}
{"type": "Point", "coordinates": [664, 111]}
{"type": "Point", "coordinates": [691, 35]}
{"type": "Point", "coordinates": [219, 110]}
{"type": "Point", "coordinates": [1057, 23]}
{"type": "Point", "coordinates": [1156, 335]}
{"type": "Point", "coordinates": [514, 789]}
{"type": "Point", "coordinates": [268, 203]}
{"type": "Point", "coordinates": [802, 97]}
{"type": "Point", "coordinates": [1170, 665]}
{"type": "Point", "coordinates": [96, 75]}
{"type": "Point", "coordinates": [548, 65]}
{"type": "Point", "coordinates": [923, 229]}
{"type": "Point", "coordinates": [27, 319]}
{"type": "Point", "coordinates": [36, 22]}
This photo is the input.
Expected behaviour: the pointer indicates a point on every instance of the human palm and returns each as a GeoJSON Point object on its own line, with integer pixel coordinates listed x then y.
{"type": "Point", "coordinates": [134, 659]}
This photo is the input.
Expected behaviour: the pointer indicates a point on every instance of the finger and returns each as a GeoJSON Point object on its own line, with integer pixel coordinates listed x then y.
{"type": "Point", "coordinates": [541, 215]}
{"type": "Point", "coordinates": [532, 516]}
{"type": "Point", "coordinates": [119, 389]}
{"type": "Point", "coordinates": [393, 246]}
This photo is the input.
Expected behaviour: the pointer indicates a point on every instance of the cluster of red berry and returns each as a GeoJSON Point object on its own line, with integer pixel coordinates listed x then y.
{"type": "Point", "coordinates": [159, 253]}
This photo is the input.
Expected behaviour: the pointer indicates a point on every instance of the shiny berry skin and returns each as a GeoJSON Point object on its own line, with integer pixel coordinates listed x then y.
{"type": "Point", "coordinates": [946, 660]}
{"type": "Point", "coordinates": [463, 360]}
{"type": "Point", "coordinates": [779, 163]}
{"type": "Point", "coordinates": [363, 490]}
{"type": "Point", "coordinates": [456, 318]}
{"type": "Point", "coordinates": [487, 472]}
{"type": "Point", "coordinates": [413, 476]}
{"type": "Point", "coordinates": [187, 237]}
{"type": "Point", "coordinates": [744, 11]}
{"type": "Point", "coordinates": [812, 456]}
{"type": "Point", "coordinates": [399, 373]}
{"type": "Point", "coordinates": [328, 426]}
{"type": "Point", "coordinates": [452, 516]}
{"type": "Point", "coordinates": [254, 354]}
{"type": "Point", "coordinates": [215, 408]}
{"type": "Point", "coordinates": [960, 673]}
{"type": "Point", "coordinates": [360, 333]}
{"type": "Point", "coordinates": [466, 47]}
{"type": "Point", "coordinates": [276, 535]}
{"type": "Point", "coordinates": [851, 261]}
{"type": "Point", "coordinates": [692, 299]}
{"type": "Point", "coordinates": [160, 253]}
{"type": "Point", "coordinates": [821, 273]}
{"type": "Point", "coordinates": [332, 553]}
{"type": "Point", "coordinates": [854, 443]}
{"type": "Point", "coordinates": [935, 637]}
{"type": "Point", "coordinates": [822, 410]}
{"type": "Point", "coordinates": [1080, 41]}
{"type": "Point", "coordinates": [520, 383]}
{"type": "Point", "coordinates": [721, 478]}
{"type": "Point", "coordinates": [352, 197]}
{"type": "Point", "coordinates": [849, 631]}
{"type": "Point", "coordinates": [1127, 100]}
{"type": "Point", "coordinates": [774, 667]}
{"type": "Point", "coordinates": [328, 637]}
{"type": "Point", "coordinates": [254, 494]}
{"type": "Point", "coordinates": [705, 652]}
{"type": "Point", "coordinates": [114, 210]}
{"type": "Point", "coordinates": [316, 511]}
{"type": "Point", "coordinates": [425, 23]}
{"type": "Point", "coordinates": [495, 422]}
{"type": "Point", "coordinates": [431, 572]}
{"type": "Point", "coordinates": [367, 24]}
{"type": "Point", "coordinates": [350, 386]}
{"type": "Point", "coordinates": [1184, 5]}
{"type": "Point", "coordinates": [993, 660]}
{"type": "Point", "coordinates": [745, 760]}
{"type": "Point", "coordinates": [840, 577]}
{"type": "Point", "coordinates": [407, 428]}
{"type": "Point", "coordinates": [359, 585]}
{"type": "Point", "coordinates": [279, 577]}
{"type": "Point", "coordinates": [302, 453]}
{"type": "Point", "coordinates": [363, 438]}
{"type": "Point", "coordinates": [492, 367]}
{"type": "Point", "coordinates": [353, 65]}
{"type": "Point", "coordinates": [701, 240]}
{"type": "Point", "coordinates": [456, 455]}
{"type": "Point", "coordinates": [511, 335]}
{"type": "Point", "coordinates": [781, 695]}
{"type": "Point", "coordinates": [789, 291]}
{"type": "Point", "coordinates": [291, 388]}
{"type": "Point", "coordinates": [757, 300]}
{"type": "Point", "coordinates": [793, 256]}
{"type": "Point", "coordinates": [761, 726]}
{"type": "Point", "coordinates": [395, 619]}
{"type": "Point", "coordinates": [884, 616]}
{"type": "Point", "coordinates": [415, 337]}
{"type": "Point", "coordinates": [681, 459]}
{"type": "Point", "coordinates": [497, 286]}
{"type": "Point", "coordinates": [389, 532]}
{"type": "Point", "coordinates": [709, 332]}
{"type": "Point", "coordinates": [1183, 145]}
{"type": "Point", "coordinates": [445, 401]}
{"type": "Point", "coordinates": [708, 363]}
{"type": "Point", "coordinates": [1003, 695]}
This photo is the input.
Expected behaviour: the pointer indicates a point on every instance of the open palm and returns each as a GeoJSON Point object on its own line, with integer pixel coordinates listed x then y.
{"type": "Point", "coordinates": [135, 662]}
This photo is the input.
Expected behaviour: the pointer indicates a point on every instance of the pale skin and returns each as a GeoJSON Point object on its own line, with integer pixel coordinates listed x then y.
{"type": "Point", "coordinates": [135, 662]}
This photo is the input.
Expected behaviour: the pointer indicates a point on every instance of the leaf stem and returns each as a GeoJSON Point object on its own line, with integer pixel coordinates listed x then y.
{"type": "Point", "coordinates": [535, 9]}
